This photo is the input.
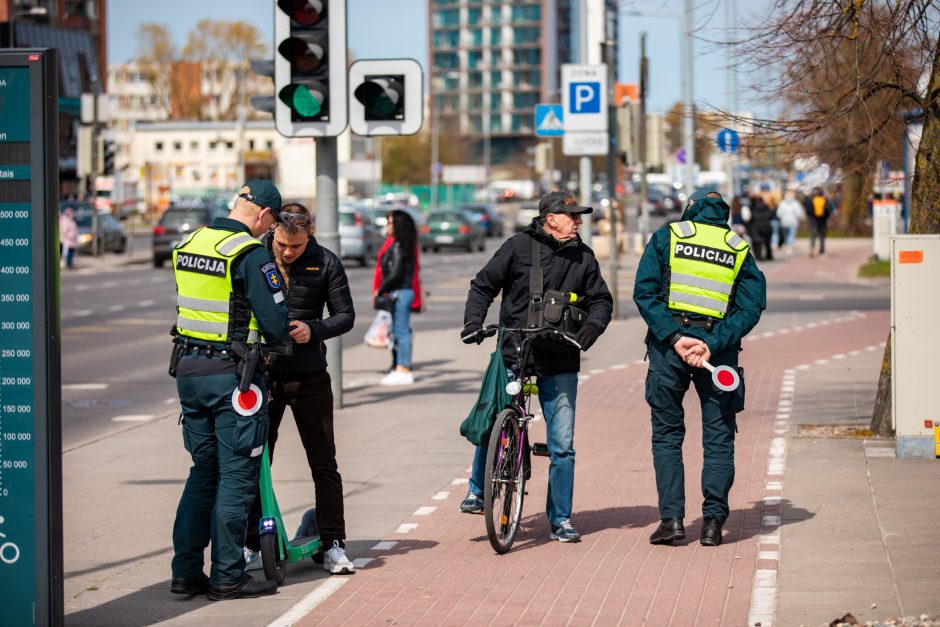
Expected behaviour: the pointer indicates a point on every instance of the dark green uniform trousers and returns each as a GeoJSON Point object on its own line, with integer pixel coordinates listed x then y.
{"type": "Point", "coordinates": [226, 450]}
{"type": "Point", "coordinates": [666, 384]}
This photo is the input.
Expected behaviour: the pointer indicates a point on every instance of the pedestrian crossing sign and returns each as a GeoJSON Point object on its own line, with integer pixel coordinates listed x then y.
{"type": "Point", "coordinates": [548, 120]}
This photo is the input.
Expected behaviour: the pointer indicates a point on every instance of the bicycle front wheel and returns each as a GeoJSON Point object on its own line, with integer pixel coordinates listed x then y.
{"type": "Point", "coordinates": [504, 481]}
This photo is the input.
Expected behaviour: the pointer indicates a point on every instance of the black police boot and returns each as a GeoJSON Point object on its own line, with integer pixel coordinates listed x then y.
{"type": "Point", "coordinates": [247, 589]}
{"type": "Point", "coordinates": [669, 530]}
{"type": "Point", "coordinates": [190, 585]}
{"type": "Point", "coordinates": [711, 532]}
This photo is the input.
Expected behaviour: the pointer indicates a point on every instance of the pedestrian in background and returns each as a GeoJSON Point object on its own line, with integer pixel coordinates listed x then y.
{"type": "Point", "coordinates": [819, 209]}
{"type": "Point", "coordinates": [228, 297]}
{"type": "Point", "coordinates": [570, 267]}
{"type": "Point", "coordinates": [700, 293]}
{"type": "Point", "coordinates": [790, 213]}
{"type": "Point", "coordinates": [397, 276]}
{"type": "Point", "coordinates": [68, 237]}
{"type": "Point", "coordinates": [761, 228]}
{"type": "Point", "coordinates": [314, 278]}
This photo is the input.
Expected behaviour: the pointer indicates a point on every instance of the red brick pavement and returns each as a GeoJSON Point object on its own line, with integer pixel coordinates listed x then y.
{"type": "Point", "coordinates": [445, 573]}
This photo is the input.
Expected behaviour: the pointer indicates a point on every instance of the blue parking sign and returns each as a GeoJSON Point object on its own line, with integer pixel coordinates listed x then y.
{"type": "Point", "coordinates": [584, 98]}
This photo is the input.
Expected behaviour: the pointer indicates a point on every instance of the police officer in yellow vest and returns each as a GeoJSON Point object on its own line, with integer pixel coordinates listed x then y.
{"type": "Point", "coordinates": [229, 300]}
{"type": "Point", "coordinates": [700, 292]}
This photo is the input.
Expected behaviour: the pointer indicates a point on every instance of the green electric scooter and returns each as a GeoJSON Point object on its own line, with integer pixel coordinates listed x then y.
{"type": "Point", "coordinates": [276, 550]}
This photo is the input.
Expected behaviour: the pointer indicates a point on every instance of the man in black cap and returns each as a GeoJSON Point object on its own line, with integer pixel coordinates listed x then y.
{"type": "Point", "coordinates": [569, 266]}
{"type": "Point", "coordinates": [228, 296]}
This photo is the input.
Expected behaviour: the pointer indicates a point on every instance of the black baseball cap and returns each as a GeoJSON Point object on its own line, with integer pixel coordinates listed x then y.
{"type": "Point", "coordinates": [264, 194]}
{"type": "Point", "coordinates": [560, 202]}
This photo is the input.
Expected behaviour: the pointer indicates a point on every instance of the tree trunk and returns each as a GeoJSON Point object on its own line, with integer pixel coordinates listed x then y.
{"type": "Point", "coordinates": [881, 416]}
{"type": "Point", "coordinates": [925, 218]}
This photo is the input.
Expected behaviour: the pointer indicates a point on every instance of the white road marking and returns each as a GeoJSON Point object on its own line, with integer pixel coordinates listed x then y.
{"type": "Point", "coordinates": [385, 545]}
{"type": "Point", "coordinates": [618, 366]}
{"type": "Point", "coordinates": [306, 604]}
{"type": "Point", "coordinates": [360, 562]}
{"type": "Point", "coordinates": [441, 496]}
{"type": "Point", "coordinates": [460, 481]}
{"type": "Point", "coordinates": [768, 555]}
{"type": "Point", "coordinates": [146, 303]}
{"type": "Point", "coordinates": [763, 598]}
{"type": "Point", "coordinates": [132, 418]}
{"type": "Point", "coordinates": [425, 510]}
{"type": "Point", "coordinates": [116, 308]}
{"type": "Point", "coordinates": [170, 401]}
{"type": "Point", "coordinates": [771, 521]}
{"type": "Point", "coordinates": [406, 527]}
{"type": "Point", "coordinates": [80, 313]}
{"type": "Point", "coordinates": [84, 386]}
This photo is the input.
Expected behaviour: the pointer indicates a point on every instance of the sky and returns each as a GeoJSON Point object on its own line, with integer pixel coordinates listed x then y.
{"type": "Point", "coordinates": [386, 29]}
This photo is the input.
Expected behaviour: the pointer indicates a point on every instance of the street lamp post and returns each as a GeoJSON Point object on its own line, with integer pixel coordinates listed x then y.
{"type": "Point", "coordinates": [34, 11]}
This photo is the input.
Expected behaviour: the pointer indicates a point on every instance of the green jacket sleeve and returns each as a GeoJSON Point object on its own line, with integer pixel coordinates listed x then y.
{"type": "Point", "coordinates": [648, 289]}
{"type": "Point", "coordinates": [750, 300]}
{"type": "Point", "coordinates": [265, 296]}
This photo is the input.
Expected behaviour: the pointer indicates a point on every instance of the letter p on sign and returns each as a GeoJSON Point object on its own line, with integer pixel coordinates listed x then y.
{"type": "Point", "coordinates": [585, 97]}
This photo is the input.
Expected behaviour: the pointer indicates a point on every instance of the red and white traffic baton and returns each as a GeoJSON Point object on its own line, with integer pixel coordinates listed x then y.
{"type": "Point", "coordinates": [724, 377]}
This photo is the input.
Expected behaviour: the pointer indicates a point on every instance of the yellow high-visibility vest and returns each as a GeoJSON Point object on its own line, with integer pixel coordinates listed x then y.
{"type": "Point", "coordinates": [704, 261]}
{"type": "Point", "coordinates": [202, 264]}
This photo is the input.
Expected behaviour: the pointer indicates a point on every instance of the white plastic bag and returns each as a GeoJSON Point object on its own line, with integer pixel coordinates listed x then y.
{"type": "Point", "coordinates": [378, 334]}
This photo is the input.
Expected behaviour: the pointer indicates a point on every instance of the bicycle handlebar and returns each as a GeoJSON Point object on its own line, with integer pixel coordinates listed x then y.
{"type": "Point", "coordinates": [491, 329]}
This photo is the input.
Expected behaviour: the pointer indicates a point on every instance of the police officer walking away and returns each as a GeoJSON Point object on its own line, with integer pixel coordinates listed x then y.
{"type": "Point", "coordinates": [700, 292]}
{"type": "Point", "coordinates": [228, 297]}
{"type": "Point", "coordinates": [314, 277]}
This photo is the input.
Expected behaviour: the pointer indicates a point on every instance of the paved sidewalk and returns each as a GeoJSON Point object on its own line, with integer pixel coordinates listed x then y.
{"type": "Point", "coordinates": [819, 526]}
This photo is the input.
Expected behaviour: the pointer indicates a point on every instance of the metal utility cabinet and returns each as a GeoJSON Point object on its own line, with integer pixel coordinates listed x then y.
{"type": "Point", "coordinates": [915, 335]}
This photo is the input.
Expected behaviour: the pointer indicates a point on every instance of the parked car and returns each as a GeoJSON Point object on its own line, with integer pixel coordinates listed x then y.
{"type": "Point", "coordinates": [524, 214]}
{"type": "Point", "coordinates": [359, 237]}
{"type": "Point", "coordinates": [176, 223]}
{"type": "Point", "coordinates": [111, 235]}
{"type": "Point", "coordinates": [451, 228]}
{"type": "Point", "coordinates": [488, 218]}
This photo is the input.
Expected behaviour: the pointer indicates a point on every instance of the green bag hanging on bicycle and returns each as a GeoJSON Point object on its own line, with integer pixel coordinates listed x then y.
{"type": "Point", "coordinates": [493, 398]}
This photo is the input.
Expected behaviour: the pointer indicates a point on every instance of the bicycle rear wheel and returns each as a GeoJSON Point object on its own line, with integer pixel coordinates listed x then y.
{"type": "Point", "coordinates": [504, 481]}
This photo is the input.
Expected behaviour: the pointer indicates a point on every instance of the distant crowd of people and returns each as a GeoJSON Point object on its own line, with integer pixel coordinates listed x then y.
{"type": "Point", "coordinates": [769, 224]}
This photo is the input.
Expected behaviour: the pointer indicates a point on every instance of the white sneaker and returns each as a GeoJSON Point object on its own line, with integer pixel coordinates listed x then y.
{"type": "Point", "coordinates": [397, 377]}
{"type": "Point", "coordinates": [335, 561]}
{"type": "Point", "coordinates": [252, 560]}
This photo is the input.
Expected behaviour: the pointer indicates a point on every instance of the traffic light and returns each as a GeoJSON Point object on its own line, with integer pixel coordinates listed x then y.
{"type": "Point", "coordinates": [627, 132]}
{"type": "Point", "coordinates": [310, 67]}
{"type": "Point", "coordinates": [383, 97]}
{"type": "Point", "coordinates": [387, 97]}
{"type": "Point", "coordinates": [108, 152]}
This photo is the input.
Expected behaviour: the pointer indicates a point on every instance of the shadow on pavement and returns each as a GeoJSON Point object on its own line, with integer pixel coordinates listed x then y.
{"type": "Point", "coordinates": [162, 551]}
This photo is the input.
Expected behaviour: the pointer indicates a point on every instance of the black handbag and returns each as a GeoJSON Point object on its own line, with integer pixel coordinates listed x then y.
{"type": "Point", "coordinates": [384, 302]}
{"type": "Point", "coordinates": [552, 308]}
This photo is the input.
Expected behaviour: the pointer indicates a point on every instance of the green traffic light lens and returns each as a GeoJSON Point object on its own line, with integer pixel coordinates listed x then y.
{"type": "Point", "coordinates": [304, 102]}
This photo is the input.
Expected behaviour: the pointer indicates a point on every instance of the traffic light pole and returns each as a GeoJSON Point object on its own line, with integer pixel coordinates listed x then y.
{"type": "Point", "coordinates": [612, 217]}
{"type": "Point", "coordinates": [328, 237]}
{"type": "Point", "coordinates": [641, 147]}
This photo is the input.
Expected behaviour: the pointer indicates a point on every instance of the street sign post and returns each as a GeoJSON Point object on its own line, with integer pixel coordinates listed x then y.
{"type": "Point", "coordinates": [31, 590]}
{"type": "Point", "coordinates": [549, 120]}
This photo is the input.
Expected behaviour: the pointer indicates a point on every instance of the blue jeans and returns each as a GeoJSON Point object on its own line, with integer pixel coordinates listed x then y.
{"type": "Point", "coordinates": [557, 396]}
{"type": "Point", "coordinates": [401, 326]}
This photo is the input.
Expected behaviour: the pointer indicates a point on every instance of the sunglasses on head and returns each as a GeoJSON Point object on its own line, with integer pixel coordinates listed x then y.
{"type": "Point", "coordinates": [294, 219]}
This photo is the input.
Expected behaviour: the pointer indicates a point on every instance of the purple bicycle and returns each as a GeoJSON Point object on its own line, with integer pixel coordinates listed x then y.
{"type": "Point", "coordinates": [507, 454]}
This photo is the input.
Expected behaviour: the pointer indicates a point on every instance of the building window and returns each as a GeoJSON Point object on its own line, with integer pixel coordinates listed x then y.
{"type": "Point", "coordinates": [496, 102]}
{"type": "Point", "coordinates": [496, 36]}
{"type": "Point", "coordinates": [193, 146]}
{"type": "Point", "coordinates": [474, 79]}
{"type": "Point", "coordinates": [527, 78]}
{"type": "Point", "coordinates": [158, 146]}
{"type": "Point", "coordinates": [213, 145]}
{"type": "Point", "coordinates": [445, 17]}
{"type": "Point", "coordinates": [473, 16]}
{"type": "Point", "coordinates": [474, 101]}
{"type": "Point", "coordinates": [496, 79]}
{"type": "Point", "coordinates": [525, 100]}
{"type": "Point", "coordinates": [446, 39]}
{"type": "Point", "coordinates": [177, 146]}
{"type": "Point", "coordinates": [521, 123]}
{"type": "Point", "coordinates": [496, 123]}
{"type": "Point", "coordinates": [251, 144]}
{"type": "Point", "coordinates": [269, 145]}
{"type": "Point", "coordinates": [446, 60]}
{"type": "Point", "coordinates": [474, 58]}
{"type": "Point", "coordinates": [475, 38]}
{"type": "Point", "coordinates": [524, 14]}
{"type": "Point", "coordinates": [526, 57]}
{"type": "Point", "coordinates": [230, 145]}
{"type": "Point", "coordinates": [526, 36]}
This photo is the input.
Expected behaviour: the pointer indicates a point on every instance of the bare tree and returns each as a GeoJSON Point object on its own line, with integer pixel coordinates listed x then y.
{"type": "Point", "coordinates": [224, 47]}
{"type": "Point", "coordinates": [846, 72]}
{"type": "Point", "coordinates": [155, 58]}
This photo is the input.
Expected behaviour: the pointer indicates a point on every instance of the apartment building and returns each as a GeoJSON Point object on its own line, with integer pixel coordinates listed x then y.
{"type": "Point", "coordinates": [492, 61]}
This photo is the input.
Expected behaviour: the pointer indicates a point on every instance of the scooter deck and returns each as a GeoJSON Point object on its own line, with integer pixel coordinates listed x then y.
{"type": "Point", "coordinates": [301, 541]}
